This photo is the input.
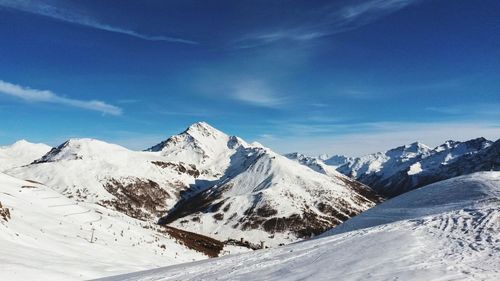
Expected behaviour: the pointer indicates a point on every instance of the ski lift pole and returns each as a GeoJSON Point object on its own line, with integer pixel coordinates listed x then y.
{"type": "Point", "coordinates": [92, 236]}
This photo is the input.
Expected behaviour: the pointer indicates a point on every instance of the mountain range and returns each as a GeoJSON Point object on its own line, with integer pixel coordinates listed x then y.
{"type": "Point", "coordinates": [404, 168]}
{"type": "Point", "coordinates": [198, 194]}
{"type": "Point", "coordinates": [407, 167]}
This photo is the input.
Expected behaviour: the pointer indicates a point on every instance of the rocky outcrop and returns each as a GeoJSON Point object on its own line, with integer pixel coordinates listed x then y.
{"type": "Point", "coordinates": [4, 213]}
{"type": "Point", "coordinates": [140, 199]}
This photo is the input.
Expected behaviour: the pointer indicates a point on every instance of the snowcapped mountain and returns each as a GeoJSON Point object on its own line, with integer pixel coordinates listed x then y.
{"type": "Point", "coordinates": [47, 236]}
{"type": "Point", "coordinates": [444, 231]}
{"type": "Point", "coordinates": [314, 163]}
{"type": "Point", "coordinates": [143, 185]}
{"type": "Point", "coordinates": [21, 153]}
{"type": "Point", "coordinates": [201, 145]}
{"type": "Point", "coordinates": [220, 185]}
{"type": "Point", "coordinates": [264, 196]}
{"type": "Point", "coordinates": [335, 160]}
{"type": "Point", "coordinates": [407, 167]}
{"type": "Point", "coordinates": [385, 163]}
{"type": "Point", "coordinates": [324, 162]}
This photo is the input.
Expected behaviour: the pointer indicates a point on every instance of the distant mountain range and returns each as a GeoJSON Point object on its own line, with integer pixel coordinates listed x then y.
{"type": "Point", "coordinates": [407, 167]}
{"type": "Point", "coordinates": [404, 168]}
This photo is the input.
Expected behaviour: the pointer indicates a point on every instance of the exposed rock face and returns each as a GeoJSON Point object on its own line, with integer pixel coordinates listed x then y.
{"type": "Point", "coordinates": [189, 169]}
{"type": "Point", "coordinates": [4, 213]}
{"type": "Point", "coordinates": [194, 241]}
{"type": "Point", "coordinates": [140, 199]}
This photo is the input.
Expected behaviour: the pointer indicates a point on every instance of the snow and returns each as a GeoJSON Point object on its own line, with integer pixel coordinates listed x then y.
{"type": "Point", "coordinates": [259, 178]}
{"type": "Point", "coordinates": [81, 167]}
{"type": "Point", "coordinates": [314, 163]}
{"type": "Point", "coordinates": [249, 177]}
{"type": "Point", "coordinates": [48, 237]}
{"type": "Point", "coordinates": [401, 169]}
{"type": "Point", "coordinates": [415, 169]}
{"type": "Point", "coordinates": [335, 160]}
{"type": "Point", "coordinates": [21, 153]}
{"type": "Point", "coordinates": [202, 145]}
{"type": "Point", "coordinates": [445, 231]}
{"type": "Point", "coordinates": [385, 163]}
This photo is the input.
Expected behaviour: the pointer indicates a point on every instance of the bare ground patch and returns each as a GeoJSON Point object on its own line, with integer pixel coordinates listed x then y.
{"type": "Point", "coordinates": [140, 199]}
{"type": "Point", "coordinates": [209, 246]}
{"type": "Point", "coordinates": [4, 213]}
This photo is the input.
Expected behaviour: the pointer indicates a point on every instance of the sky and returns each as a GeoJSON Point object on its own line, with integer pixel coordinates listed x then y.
{"type": "Point", "coordinates": [336, 77]}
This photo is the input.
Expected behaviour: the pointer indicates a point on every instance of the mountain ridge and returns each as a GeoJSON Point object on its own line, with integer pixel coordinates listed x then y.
{"type": "Point", "coordinates": [203, 162]}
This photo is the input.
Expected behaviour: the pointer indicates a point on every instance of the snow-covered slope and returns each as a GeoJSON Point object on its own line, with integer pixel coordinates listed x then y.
{"type": "Point", "coordinates": [407, 167]}
{"type": "Point", "coordinates": [21, 153]}
{"type": "Point", "coordinates": [314, 163]}
{"type": "Point", "coordinates": [264, 196]}
{"type": "Point", "coordinates": [445, 231]}
{"type": "Point", "coordinates": [47, 236]}
{"type": "Point", "coordinates": [335, 160]}
{"type": "Point", "coordinates": [141, 184]}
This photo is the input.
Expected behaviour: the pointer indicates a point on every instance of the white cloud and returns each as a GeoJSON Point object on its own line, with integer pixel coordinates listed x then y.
{"type": "Point", "coordinates": [34, 95]}
{"type": "Point", "coordinates": [256, 92]}
{"type": "Point", "coordinates": [330, 20]}
{"type": "Point", "coordinates": [381, 137]}
{"type": "Point", "coordinates": [484, 110]}
{"type": "Point", "coordinates": [253, 90]}
{"type": "Point", "coordinates": [47, 10]}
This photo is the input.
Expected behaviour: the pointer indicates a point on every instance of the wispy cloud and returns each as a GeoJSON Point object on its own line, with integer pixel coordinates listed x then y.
{"type": "Point", "coordinates": [252, 90]}
{"type": "Point", "coordinates": [469, 109]}
{"type": "Point", "coordinates": [33, 95]}
{"type": "Point", "coordinates": [256, 92]}
{"type": "Point", "coordinates": [328, 21]}
{"type": "Point", "coordinates": [46, 9]}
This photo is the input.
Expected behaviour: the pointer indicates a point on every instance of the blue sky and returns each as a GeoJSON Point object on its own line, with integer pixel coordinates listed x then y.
{"type": "Point", "coordinates": [348, 77]}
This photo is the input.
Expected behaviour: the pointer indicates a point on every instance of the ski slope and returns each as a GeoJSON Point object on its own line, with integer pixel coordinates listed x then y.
{"type": "Point", "coordinates": [48, 237]}
{"type": "Point", "coordinates": [445, 231]}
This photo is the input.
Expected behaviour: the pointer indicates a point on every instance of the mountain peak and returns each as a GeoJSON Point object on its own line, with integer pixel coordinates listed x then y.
{"type": "Point", "coordinates": [22, 143]}
{"type": "Point", "coordinates": [418, 145]}
{"type": "Point", "coordinates": [335, 160]}
{"type": "Point", "coordinates": [202, 145]}
{"type": "Point", "coordinates": [203, 128]}
{"type": "Point", "coordinates": [479, 142]}
{"type": "Point", "coordinates": [414, 147]}
{"type": "Point", "coordinates": [21, 153]}
{"type": "Point", "coordinates": [80, 148]}
{"type": "Point", "coordinates": [201, 124]}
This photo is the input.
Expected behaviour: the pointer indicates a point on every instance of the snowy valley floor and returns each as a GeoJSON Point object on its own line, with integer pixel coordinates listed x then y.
{"type": "Point", "coordinates": [445, 231]}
